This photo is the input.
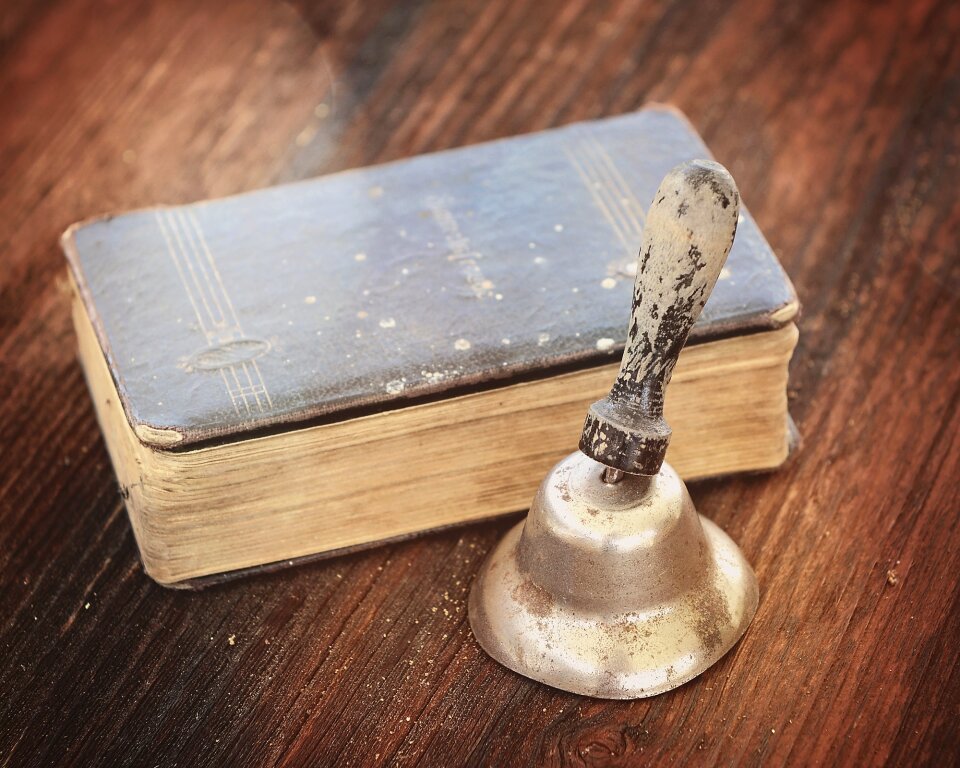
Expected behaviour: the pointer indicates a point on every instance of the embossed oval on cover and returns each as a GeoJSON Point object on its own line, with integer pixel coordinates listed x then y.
{"type": "Point", "coordinates": [225, 355]}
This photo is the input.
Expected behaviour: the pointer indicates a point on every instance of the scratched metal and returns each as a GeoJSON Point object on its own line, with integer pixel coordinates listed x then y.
{"type": "Point", "coordinates": [613, 586]}
{"type": "Point", "coordinates": [617, 591]}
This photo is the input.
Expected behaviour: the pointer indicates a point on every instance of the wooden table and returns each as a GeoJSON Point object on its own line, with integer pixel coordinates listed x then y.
{"type": "Point", "coordinates": [839, 121]}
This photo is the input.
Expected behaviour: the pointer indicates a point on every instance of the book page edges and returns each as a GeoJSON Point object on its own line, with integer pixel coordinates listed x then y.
{"type": "Point", "coordinates": [184, 505]}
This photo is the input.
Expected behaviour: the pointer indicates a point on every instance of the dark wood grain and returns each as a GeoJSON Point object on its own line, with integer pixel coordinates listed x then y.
{"type": "Point", "coordinates": [839, 121]}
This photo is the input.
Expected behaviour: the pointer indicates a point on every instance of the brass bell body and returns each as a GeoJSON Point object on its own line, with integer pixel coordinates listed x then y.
{"type": "Point", "coordinates": [614, 586]}
{"type": "Point", "coordinates": [612, 590]}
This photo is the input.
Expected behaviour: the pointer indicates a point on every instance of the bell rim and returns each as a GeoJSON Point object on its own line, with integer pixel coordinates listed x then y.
{"type": "Point", "coordinates": [608, 684]}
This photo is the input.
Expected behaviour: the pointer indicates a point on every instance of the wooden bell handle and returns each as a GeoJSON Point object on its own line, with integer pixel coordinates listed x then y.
{"type": "Point", "coordinates": [686, 239]}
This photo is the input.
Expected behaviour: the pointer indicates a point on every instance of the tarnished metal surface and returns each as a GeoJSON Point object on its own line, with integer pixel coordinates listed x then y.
{"type": "Point", "coordinates": [612, 590]}
{"type": "Point", "coordinates": [614, 586]}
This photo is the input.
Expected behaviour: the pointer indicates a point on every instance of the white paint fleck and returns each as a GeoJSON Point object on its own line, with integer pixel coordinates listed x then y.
{"type": "Point", "coordinates": [558, 227]}
{"type": "Point", "coordinates": [505, 341]}
{"type": "Point", "coordinates": [394, 387]}
{"type": "Point", "coordinates": [724, 274]}
{"type": "Point", "coordinates": [608, 283]}
{"type": "Point", "coordinates": [604, 344]}
{"type": "Point", "coordinates": [539, 260]}
{"type": "Point", "coordinates": [531, 246]}
{"type": "Point", "coordinates": [404, 271]}
{"type": "Point", "coordinates": [360, 256]}
{"type": "Point", "coordinates": [574, 290]}
{"type": "Point", "coordinates": [498, 296]}
{"type": "Point", "coordinates": [435, 377]}
{"type": "Point", "coordinates": [461, 344]}
{"type": "Point", "coordinates": [542, 339]}
{"type": "Point", "coordinates": [309, 299]}
{"type": "Point", "coordinates": [388, 322]}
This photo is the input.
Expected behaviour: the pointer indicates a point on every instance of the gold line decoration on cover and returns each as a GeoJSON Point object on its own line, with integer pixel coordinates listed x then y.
{"type": "Point", "coordinates": [229, 348]}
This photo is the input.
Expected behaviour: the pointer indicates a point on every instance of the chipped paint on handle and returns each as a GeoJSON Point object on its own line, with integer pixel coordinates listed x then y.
{"type": "Point", "coordinates": [690, 229]}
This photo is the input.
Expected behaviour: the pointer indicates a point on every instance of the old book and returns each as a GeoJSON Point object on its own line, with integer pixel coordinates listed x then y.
{"type": "Point", "coordinates": [363, 356]}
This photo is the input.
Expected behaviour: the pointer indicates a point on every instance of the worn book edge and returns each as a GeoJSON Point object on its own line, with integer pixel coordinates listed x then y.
{"type": "Point", "coordinates": [187, 527]}
{"type": "Point", "coordinates": [167, 438]}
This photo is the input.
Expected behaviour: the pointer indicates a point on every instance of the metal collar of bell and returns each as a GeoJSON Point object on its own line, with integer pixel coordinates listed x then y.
{"type": "Point", "coordinates": [613, 586]}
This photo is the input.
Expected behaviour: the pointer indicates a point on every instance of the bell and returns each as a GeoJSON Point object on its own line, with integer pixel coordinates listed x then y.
{"type": "Point", "coordinates": [614, 586]}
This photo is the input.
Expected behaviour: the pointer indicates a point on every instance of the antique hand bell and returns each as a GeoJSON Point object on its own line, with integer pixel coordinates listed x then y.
{"type": "Point", "coordinates": [614, 586]}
